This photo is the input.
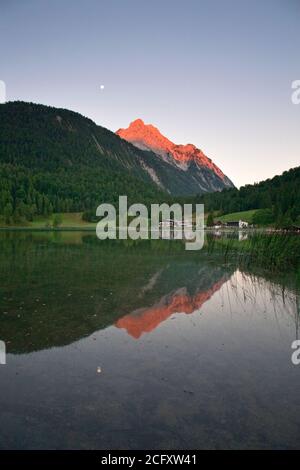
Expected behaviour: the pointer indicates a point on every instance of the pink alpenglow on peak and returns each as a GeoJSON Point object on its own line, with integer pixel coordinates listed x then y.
{"type": "Point", "coordinates": [147, 137]}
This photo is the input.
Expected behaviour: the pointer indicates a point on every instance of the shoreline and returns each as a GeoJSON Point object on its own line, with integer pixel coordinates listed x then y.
{"type": "Point", "coordinates": [93, 228]}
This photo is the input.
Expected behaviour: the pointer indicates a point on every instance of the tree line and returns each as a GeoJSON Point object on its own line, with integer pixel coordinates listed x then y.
{"type": "Point", "coordinates": [277, 198]}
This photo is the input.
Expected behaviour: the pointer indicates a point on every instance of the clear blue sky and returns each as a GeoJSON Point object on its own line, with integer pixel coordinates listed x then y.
{"type": "Point", "coordinates": [215, 73]}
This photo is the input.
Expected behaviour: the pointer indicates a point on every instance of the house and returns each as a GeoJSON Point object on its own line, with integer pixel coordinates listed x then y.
{"type": "Point", "coordinates": [243, 224]}
{"type": "Point", "coordinates": [170, 223]}
{"type": "Point", "coordinates": [238, 224]}
{"type": "Point", "coordinates": [167, 223]}
{"type": "Point", "coordinates": [183, 223]}
{"type": "Point", "coordinates": [232, 224]}
{"type": "Point", "coordinates": [219, 224]}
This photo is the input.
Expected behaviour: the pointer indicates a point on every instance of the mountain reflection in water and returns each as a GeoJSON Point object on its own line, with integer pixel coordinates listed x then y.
{"type": "Point", "coordinates": [211, 367]}
{"type": "Point", "coordinates": [144, 320]}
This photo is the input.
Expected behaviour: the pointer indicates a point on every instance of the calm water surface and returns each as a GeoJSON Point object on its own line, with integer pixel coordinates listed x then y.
{"type": "Point", "coordinates": [133, 345]}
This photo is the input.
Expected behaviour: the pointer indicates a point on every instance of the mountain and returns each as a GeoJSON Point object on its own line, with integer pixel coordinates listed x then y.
{"type": "Point", "coordinates": [200, 169]}
{"type": "Point", "coordinates": [58, 160]}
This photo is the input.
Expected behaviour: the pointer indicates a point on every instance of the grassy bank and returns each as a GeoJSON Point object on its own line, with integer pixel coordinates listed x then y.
{"type": "Point", "coordinates": [247, 216]}
{"type": "Point", "coordinates": [69, 220]}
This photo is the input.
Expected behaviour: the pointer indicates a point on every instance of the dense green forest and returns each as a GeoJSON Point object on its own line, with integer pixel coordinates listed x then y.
{"type": "Point", "coordinates": [278, 200]}
{"type": "Point", "coordinates": [24, 194]}
{"type": "Point", "coordinates": [55, 160]}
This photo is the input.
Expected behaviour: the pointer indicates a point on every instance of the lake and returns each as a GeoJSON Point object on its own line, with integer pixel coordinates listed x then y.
{"type": "Point", "coordinates": [143, 345]}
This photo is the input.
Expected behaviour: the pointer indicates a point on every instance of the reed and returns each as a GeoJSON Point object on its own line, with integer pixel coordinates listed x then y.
{"type": "Point", "coordinates": [280, 251]}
